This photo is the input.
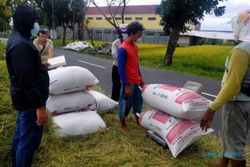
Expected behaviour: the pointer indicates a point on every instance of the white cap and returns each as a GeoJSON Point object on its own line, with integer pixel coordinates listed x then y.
{"type": "Point", "coordinates": [123, 28]}
{"type": "Point", "coordinates": [241, 26]}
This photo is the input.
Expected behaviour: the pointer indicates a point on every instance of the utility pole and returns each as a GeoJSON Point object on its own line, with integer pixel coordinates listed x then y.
{"type": "Point", "coordinates": [53, 25]}
{"type": "Point", "coordinates": [74, 19]}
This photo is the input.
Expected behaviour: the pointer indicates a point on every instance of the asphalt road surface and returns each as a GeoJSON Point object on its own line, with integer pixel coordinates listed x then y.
{"type": "Point", "coordinates": [102, 68]}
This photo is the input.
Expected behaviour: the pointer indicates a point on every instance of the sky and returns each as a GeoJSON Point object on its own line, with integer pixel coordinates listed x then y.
{"type": "Point", "coordinates": [210, 22]}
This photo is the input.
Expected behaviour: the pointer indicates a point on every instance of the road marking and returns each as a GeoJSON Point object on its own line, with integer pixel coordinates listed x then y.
{"type": "Point", "coordinates": [207, 94]}
{"type": "Point", "coordinates": [92, 64]}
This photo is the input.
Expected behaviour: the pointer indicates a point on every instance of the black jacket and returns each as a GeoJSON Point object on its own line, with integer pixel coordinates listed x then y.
{"type": "Point", "coordinates": [29, 81]}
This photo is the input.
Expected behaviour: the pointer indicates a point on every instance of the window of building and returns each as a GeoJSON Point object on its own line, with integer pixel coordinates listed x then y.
{"type": "Point", "coordinates": [98, 18]}
{"type": "Point", "coordinates": [151, 18]}
{"type": "Point", "coordinates": [90, 18]}
{"type": "Point", "coordinates": [108, 18]}
{"type": "Point", "coordinates": [98, 32]}
{"type": "Point", "coordinates": [107, 32]}
{"type": "Point", "coordinates": [149, 34]}
{"type": "Point", "coordinates": [118, 18]}
{"type": "Point", "coordinates": [163, 34]}
{"type": "Point", "coordinates": [128, 18]}
{"type": "Point", "coordinates": [138, 18]}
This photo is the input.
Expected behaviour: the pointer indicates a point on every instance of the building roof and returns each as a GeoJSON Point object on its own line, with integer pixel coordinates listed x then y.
{"type": "Point", "coordinates": [138, 9]}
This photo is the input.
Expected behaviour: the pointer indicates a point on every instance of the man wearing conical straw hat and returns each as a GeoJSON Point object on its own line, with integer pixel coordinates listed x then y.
{"type": "Point", "coordinates": [234, 96]}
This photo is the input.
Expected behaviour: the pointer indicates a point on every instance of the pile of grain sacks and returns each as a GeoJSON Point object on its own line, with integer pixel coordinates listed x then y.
{"type": "Point", "coordinates": [78, 46]}
{"type": "Point", "coordinates": [74, 107]}
{"type": "Point", "coordinates": [174, 115]}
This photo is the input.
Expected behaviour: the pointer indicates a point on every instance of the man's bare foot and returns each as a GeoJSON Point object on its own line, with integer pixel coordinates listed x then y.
{"type": "Point", "coordinates": [124, 125]}
{"type": "Point", "coordinates": [137, 120]}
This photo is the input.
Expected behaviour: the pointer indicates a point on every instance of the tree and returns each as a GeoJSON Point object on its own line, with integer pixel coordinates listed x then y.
{"type": "Point", "coordinates": [56, 13]}
{"type": "Point", "coordinates": [114, 7]}
{"type": "Point", "coordinates": [5, 13]}
{"type": "Point", "coordinates": [78, 15]}
{"type": "Point", "coordinates": [63, 16]}
{"type": "Point", "coordinates": [176, 14]}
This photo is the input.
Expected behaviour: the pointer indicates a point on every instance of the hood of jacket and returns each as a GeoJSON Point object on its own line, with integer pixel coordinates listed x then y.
{"type": "Point", "coordinates": [23, 20]}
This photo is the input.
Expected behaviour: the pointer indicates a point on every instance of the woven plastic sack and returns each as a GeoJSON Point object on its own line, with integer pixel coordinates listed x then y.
{"type": "Point", "coordinates": [70, 79]}
{"type": "Point", "coordinates": [102, 102]}
{"type": "Point", "coordinates": [58, 104]}
{"type": "Point", "coordinates": [177, 133]}
{"type": "Point", "coordinates": [78, 124]}
{"type": "Point", "coordinates": [176, 101]}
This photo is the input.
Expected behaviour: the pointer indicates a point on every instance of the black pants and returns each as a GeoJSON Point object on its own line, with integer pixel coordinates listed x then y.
{"type": "Point", "coordinates": [116, 83]}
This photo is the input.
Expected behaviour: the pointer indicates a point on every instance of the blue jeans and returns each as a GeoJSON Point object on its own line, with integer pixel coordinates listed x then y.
{"type": "Point", "coordinates": [26, 139]}
{"type": "Point", "coordinates": [127, 102]}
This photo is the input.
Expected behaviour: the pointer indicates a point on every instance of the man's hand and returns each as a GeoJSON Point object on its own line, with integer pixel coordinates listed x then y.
{"type": "Point", "coordinates": [128, 91]}
{"type": "Point", "coordinates": [207, 119]}
{"type": "Point", "coordinates": [142, 83]}
{"type": "Point", "coordinates": [42, 116]}
{"type": "Point", "coordinates": [46, 65]}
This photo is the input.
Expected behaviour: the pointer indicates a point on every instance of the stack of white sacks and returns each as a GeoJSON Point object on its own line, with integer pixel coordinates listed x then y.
{"type": "Point", "coordinates": [74, 107]}
{"type": "Point", "coordinates": [174, 115]}
{"type": "Point", "coordinates": [78, 46]}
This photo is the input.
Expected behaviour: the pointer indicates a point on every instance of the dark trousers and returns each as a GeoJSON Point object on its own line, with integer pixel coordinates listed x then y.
{"type": "Point", "coordinates": [26, 139]}
{"type": "Point", "coordinates": [116, 83]}
{"type": "Point", "coordinates": [127, 102]}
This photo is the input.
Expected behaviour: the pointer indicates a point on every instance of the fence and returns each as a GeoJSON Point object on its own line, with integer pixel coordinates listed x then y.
{"type": "Point", "coordinates": [5, 34]}
{"type": "Point", "coordinates": [149, 36]}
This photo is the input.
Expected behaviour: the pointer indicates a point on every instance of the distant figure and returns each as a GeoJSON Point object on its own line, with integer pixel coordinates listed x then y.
{"type": "Point", "coordinates": [44, 46]}
{"type": "Point", "coordinates": [115, 74]}
{"type": "Point", "coordinates": [29, 87]}
{"type": "Point", "coordinates": [234, 97]}
{"type": "Point", "coordinates": [35, 30]}
{"type": "Point", "coordinates": [130, 75]}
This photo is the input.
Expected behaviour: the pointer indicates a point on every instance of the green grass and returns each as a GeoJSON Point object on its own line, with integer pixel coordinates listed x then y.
{"type": "Point", "coordinates": [2, 51]}
{"type": "Point", "coordinates": [108, 148]}
{"type": "Point", "coordinates": [112, 147]}
{"type": "Point", "coordinates": [203, 60]}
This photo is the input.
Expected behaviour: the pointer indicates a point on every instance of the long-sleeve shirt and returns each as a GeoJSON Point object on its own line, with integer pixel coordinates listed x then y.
{"type": "Point", "coordinates": [44, 50]}
{"type": "Point", "coordinates": [128, 63]}
{"type": "Point", "coordinates": [231, 84]}
{"type": "Point", "coordinates": [115, 46]}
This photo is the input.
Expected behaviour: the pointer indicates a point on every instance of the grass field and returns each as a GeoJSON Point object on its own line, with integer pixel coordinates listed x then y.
{"type": "Point", "coordinates": [202, 60]}
{"type": "Point", "coordinates": [205, 60]}
{"type": "Point", "coordinates": [111, 148]}
{"type": "Point", "coordinates": [108, 148]}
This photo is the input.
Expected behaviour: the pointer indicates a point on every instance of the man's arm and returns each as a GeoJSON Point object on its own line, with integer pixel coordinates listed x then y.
{"type": "Point", "coordinates": [114, 49]}
{"type": "Point", "coordinates": [238, 65]}
{"type": "Point", "coordinates": [50, 51]}
{"type": "Point", "coordinates": [122, 58]}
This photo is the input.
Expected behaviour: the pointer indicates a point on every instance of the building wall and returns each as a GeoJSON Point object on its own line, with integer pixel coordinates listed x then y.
{"type": "Point", "coordinates": [149, 21]}
{"type": "Point", "coordinates": [149, 36]}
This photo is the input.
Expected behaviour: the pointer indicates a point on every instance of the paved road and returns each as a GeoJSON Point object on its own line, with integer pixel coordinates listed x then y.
{"type": "Point", "coordinates": [102, 68]}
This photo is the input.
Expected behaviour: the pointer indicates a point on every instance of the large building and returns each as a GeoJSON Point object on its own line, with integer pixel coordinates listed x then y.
{"type": "Point", "coordinates": [103, 30]}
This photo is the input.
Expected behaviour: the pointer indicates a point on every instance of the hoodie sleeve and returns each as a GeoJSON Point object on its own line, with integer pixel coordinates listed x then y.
{"type": "Point", "coordinates": [22, 62]}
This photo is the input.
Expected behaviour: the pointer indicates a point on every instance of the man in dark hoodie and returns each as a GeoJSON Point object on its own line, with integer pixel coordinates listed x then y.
{"type": "Point", "coordinates": [29, 84]}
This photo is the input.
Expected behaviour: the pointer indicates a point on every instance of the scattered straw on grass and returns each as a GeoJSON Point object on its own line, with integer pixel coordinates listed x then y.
{"type": "Point", "coordinates": [107, 148]}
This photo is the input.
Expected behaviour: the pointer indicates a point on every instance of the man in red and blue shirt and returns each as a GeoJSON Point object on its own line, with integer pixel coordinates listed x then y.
{"type": "Point", "coordinates": [130, 75]}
